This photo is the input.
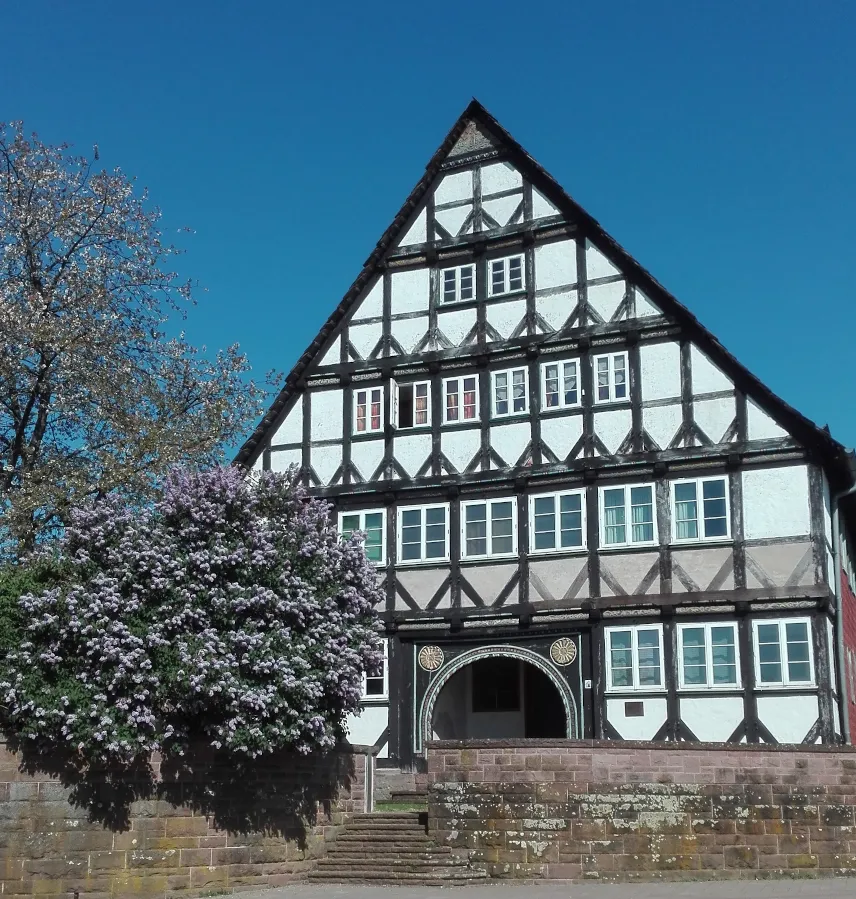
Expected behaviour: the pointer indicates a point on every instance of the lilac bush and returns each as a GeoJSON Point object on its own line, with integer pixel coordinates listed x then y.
{"type": "Point", "coordinates": [229, 611]}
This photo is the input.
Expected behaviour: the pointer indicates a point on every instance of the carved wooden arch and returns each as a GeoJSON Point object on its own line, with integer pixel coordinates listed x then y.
{"type": "Point", "coordinates": [441, 678]}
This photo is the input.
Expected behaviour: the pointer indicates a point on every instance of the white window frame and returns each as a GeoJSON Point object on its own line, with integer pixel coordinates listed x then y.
{"type": "Point", "coordinates": [378, 697]}
{"type": "Point", "coordinates": [422, 560]}
{"type": "Point", "coordinates": [560, 364]}
{"type": "Point", "coordinates": [699, 482]}
{"type": "Point", "coordinates": [369, 429]}
{"type": "Point", "coordinates": [395, 387]}
{"type": "Point", "coordinates": [628, 516]}
{"type": "Point", "coordinates": [556, 522]}
{"type": "Point", "coordinates": [709, 685]}
{"type": "Point", "coordinates": [612, 398]}
{"type": "Point", "coordinates": [457, 269]}
{"type": "Point", "coordinates": [510, 372]}
{"type": "Point", "coordinates": [362, 513]}
{"type": "Point", "coordinates": [634, 652]}
{"type": "Point", "coordinates": [506, 289]}
{"type": "Point", "coordinates": [460, 420]}
{"type": "Point", "coordinates": [489, 527]}
{"type": "Point", "coordinates": [785, 682]}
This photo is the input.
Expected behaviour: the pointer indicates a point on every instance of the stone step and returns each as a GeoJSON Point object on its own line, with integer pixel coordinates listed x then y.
{"type": "Point", "coordinates": [435, 878]}
{"type": "Point", "coordinates": [356, 850]}
{"type": "Point", "coordinates": [384, 829]}
{"type": "Point", "coordinates": [417, 798]}
{"type": "Point", "coordinates": [403, 864]}
{"type": "Point", "coordinates": [364, 833]}
{"type": "Point", "coordinates": [382, 816]}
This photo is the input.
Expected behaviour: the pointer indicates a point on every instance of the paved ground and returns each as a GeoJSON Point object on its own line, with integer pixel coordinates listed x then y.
{"type": "Point", "coordinates": [832, 888]}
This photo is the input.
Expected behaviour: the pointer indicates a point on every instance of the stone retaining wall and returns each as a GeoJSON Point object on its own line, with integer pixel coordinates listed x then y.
{"type": "Point", "coordinates": [201, 828]}
{"type": "Point", "coordinates": [619, 811]}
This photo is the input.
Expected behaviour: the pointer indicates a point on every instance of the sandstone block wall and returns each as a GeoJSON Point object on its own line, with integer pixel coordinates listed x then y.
{"type": "Point", "coordinates": [619, 811]}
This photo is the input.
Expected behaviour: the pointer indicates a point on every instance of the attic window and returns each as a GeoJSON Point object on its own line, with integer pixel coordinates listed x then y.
{"type": "Point", "coordinates": [411, 405]}
{"type": "Point", "coordinates": [459, 284]}
{"type": "Point", "coordinates": [368, 410]}
{"type": "Point", "coordinates": [506, 275]}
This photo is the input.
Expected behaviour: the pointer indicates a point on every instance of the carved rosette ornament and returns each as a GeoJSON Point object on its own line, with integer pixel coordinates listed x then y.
{"type": "Point", "coordinates": [430, 658]}
{"type": "Point", "coordinates": [563, 651]}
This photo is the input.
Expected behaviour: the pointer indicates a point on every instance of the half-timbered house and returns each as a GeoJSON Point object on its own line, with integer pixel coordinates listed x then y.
{"type": "Point", "coordinates": [590, 519]}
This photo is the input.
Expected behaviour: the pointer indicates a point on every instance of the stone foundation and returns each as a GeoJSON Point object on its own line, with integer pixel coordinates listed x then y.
{"type": "Point", "coordinates": [619, 811]}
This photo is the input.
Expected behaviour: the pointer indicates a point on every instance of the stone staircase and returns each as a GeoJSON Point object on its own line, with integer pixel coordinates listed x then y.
{"type": "Point", "coordinates": [391, 848]}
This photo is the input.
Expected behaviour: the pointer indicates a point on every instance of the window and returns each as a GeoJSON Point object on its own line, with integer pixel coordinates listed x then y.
{"type": "Point", "coordinates": [459, 284]}
{"type": "Point", "coordinates": [627, 515]}
{"type": "Point", "coordinates": [561, 384]}
{"type": "Point", "coordinates": [368, 410]}
{"type": "Point", "coordinates": [505, 275]}
{"type": "Point", "coordinates": [496, 685]}
{"type": "Point", "coordinates": [634, 658]}
{"type": "Point", "coordinates": [557, 521]}
{"type": "Point", "coordinates": [423, 533]}
{"type": "Point", "coordinates": [489, 528]}
{"type": "Point", "coordinates": [461, 399]}
{"type": "Point", "coordinates": [783, 655]}
{"type": "Point", "coordinates": [700, 509]}
{"type": "Point", "coordinates": [510, 392]}
{"type": "Point", "coordinates": [372, 525]}
{"type": "Point", "coordinates": [411, 405]}
{"type": "Point", "coordinates": [610, 378]}
{"type": "Point", "coordinates": [707, 655]}
{"type": "Point", "coordinates": [376, 682]}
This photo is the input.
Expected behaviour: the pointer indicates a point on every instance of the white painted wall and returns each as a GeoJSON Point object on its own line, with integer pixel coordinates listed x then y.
{"type": "Point", "coordinates": [661, 371]}
{"type": "Point", "coordinates": [760, 426]}
{"type": "Point", "coordinates": [714, 417]}
{"type": "Point", "coordinates": [561, 432]}
{"type": "Point", "coordinates": [366, 727]}
{"type": "Point", "coordinates": [409, 331]}
{"type": "Point", "coordinates": [371, 306]}
{"type": "Point", "coordinates": [365, 337]}
{"type": "Point", "coordinates": [707, 377]}
{"type": "Point", "coordinates": [456, 324]}
{"type": "Point", "coordinates": [788, 718]}
{"type": "Point", "coordinates": [712, 719]}
{"type": "Point", "coordinates": [327, 415]}
{"type": "Point", "coordinates": [606, 298]}
{"type": "Point", "coordinates": [505, 317]}
{"type": "Point", "coordinates": [417, 232]}
{"type": "Point", "coordinates": [555, 264]}
{"type": "Point", "coordinates": [325, 460]}
{"type": "Point", "coordinates": [332, 354]}
{"type": "Point", "coordinates": [643, 727]}
{"type": "Point", "coordinates": [411, 451]}
{"type": "Point", "coordinates": [410, 291]}
{"type": "Point", "coordinates": [460, 445]}
{"type": "Point", "coordinates": [282, 460]}
{"type": "Point", "coordinates": [454, 186]}
{"type": "Point", "coordinates": [541, 206]}
{"type": "Point", "coordinates": [612, 426]}
{"type": "Point", "coordinates": [499, 176]}
{"type": "Point", "coordinates": [597, 265]}
{"type": "Point", "coordinates": [775, 502]}
{"type": "Point", "coordinates": [510, 440]}
{"type": "Point", "coordinates": [291, 429]}
{"type": "Point", "coordinates": [366, 455]}
{"type": "Point", "coordinates": [662, 423]}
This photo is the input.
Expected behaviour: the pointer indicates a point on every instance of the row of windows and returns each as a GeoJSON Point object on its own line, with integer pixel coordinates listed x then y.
{"type": "Point", "coordinates": [708, 656]}
{"type": "Point", "coordinates": [557, 522]}
{"type": "Point", "coordinates": [504, 276]}
{"type": "Point", "coordinates": [560, 389]}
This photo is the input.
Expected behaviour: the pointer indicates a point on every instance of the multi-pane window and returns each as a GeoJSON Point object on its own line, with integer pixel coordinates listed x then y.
{"type": "Point", "coordinates": [627, 515]}
{"type": "Point", "coordinates": [368, 410]}
{"type": "Point", "coordinates": [411, 405]}
{"type": "Point", "coordinates": [510, 392]}
{"type": "Point", "coordinates": [561, 384]}
{"type": "Point", "coordinates": [489, 528]}
{"type": "Point", "coordinates": [376, 680]}
{"type": "Point", "coordinates": [783, 655]}
{"type": "Point", "coordinates": [556, 521]}
{"type": "Point", "coordinates": [371, 523]}
{"type": "Point", "coordinates": [505, 275]}
{"type": "Point", "coordinates": [634, 658]}
{"type": "Point", "coordinates": [461, 399]}
{"type": "Point", "coordinates": [610, 378]}
{"type": "Point", "coordinates": [700, 509]}
{"type": "Point", "coordinates": [708, 655]}
{"type": "Point", "coordinates": [459, 284]}
{"type": "Point", "coordinates": [423, 533]}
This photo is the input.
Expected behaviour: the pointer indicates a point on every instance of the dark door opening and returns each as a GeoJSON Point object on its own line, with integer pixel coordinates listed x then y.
{"type": "Point", "coordinates": [545, 713]}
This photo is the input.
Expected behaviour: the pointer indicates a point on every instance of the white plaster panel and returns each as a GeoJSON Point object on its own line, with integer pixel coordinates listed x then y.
{"type": "Point", "coordinates": [366, 456]}
{"type": "Point", "coordinates": [643, 727]}
{"type": "Point", "coordinates": [541, 206]}
{"type": "Point", "coordinates": [410, 291]}
{"type": "Point", "coordinates": [332, 354]}
{"type": "Point", "coordinates": [561, 432]}
{"type": "Point", "coordinates": [364, 338]}
{"type": "Point", "coordinates": [714, 417]}
{"type": "Point", "coordinates": [453, 219]}
{"type": "Point", "coordinates": [788, 718]}
{"type": "Point", "coordinates": [606, 298]}
{"type": "Point", "coordinates": [612, 427]}
{"type": "Point", "coordinates": [760, 426]}
{"type": "Point", "coordinates": [707, 377]}
{"type": "Point", "coordinates": [291, 429]}
{"type": "Point", "coordinates": [325, 460]}
{"type": "Point", "coordinates": [365, 728]}
{"type": "Point", "coordinates": [597, 265]}
{"type": "Point", "coordinates": [661, 371]}
{"type": "Point", "coordinates": [556, 308]}
{"type": "Point", "coordinates": [453, 187]}
{"type": "Point", "coordinates": [712, 719]}
{"type": "Point", "coordinates": [422, 583]}
{"type": "Point", "coordinates": [505, 317]}
{"type": "Point", "coordinates": [411, 451]}
{"type": "Point", "coordinates": [409, 331]}
{"type": "Point", "coordinates": [775, 502]}
{"type": "Point", "coordinates": [327, 415]}
{"type": "Point", "coordinates": [510, 441]}
{"type": "Point", "coordinates": [644, 307]}
{"type": "Point", "coordinates": [502, 209]}
{"type": "Point", "coordinates": [282, 460]}
{"type": "Point", "coordinates": [555, 264]}
{"type": "Point", "coordinates": [417, 232]}
{"type": "Point", "coordinates": [371, 305]}
{"type": "Point", "coordinates": [499, 176]}
{"type": "Point", "coordinates": [827, 510]}
{"type": "Point", "coordinates": [551, 578]}
{"type": "Point", "coordinates": [662, 423]}
{"type": "Point", "coordinates": [460, 446]}
{"type": "Point", "coordinates": [456, 324]}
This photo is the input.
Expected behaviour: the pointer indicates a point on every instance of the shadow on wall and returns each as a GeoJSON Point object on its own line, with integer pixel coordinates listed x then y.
{"type": "Point", "coordinates": [279, 795]}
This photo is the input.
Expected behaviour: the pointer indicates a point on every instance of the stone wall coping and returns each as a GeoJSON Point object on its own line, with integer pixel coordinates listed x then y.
{"type": "Point", "coordinates": [621, 745]}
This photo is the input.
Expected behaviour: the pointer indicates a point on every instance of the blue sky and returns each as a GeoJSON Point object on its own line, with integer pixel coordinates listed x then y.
{"type": "Point", "coordinates": [715, 141]}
